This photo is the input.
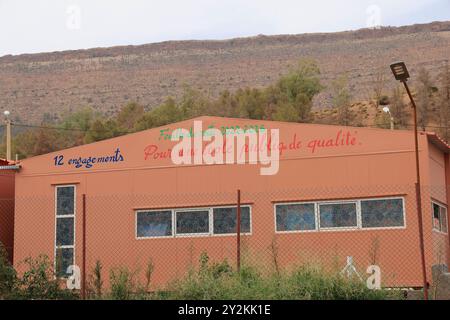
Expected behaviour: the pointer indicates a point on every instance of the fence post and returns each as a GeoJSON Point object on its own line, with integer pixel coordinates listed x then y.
{"type": "Point", "coordinates": [238, 231]}
{"type": "Point", "coordinates": [83, 272]}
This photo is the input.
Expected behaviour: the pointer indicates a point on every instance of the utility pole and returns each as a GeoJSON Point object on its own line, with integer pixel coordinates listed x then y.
{"type": "Point", "coordinates": [8, 135]}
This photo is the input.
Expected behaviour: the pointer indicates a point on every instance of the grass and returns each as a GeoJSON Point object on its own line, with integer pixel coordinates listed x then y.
{"type": "Point", "coordinates": [209, 281]}
{"type": "Point", "coordinates": [219, 281]}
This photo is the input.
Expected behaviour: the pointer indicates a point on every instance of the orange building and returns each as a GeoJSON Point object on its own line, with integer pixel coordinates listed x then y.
{"type": "Point", "coordinates": [338, 192]}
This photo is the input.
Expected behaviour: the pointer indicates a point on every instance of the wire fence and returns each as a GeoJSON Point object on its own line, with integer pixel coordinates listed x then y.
{"type": "Point", "coordinates": [348, 230]}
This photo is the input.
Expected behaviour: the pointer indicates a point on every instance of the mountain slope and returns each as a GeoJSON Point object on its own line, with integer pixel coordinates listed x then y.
{"type": "Point", "coordinates": [108, 78]}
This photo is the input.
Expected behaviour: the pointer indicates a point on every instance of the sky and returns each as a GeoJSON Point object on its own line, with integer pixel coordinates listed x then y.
{"type": "Point", "coordinates": [31, 26]}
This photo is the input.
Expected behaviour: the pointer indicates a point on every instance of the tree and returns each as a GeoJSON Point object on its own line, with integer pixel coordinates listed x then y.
{"type": "Point", "coordinates": [80, 120]}
{"type": "Point", "coordinates": [341, 101]}
{"type": "Point", "coordinates": [250, 103]}
{"type": "Point", "coordinates": [378, 82]}
{"type": "Point", "coordinates": [272, 97]}
{"type": "Point", "coordinates": [226, 105]}
{"type": "Point", "coordinates": [166, 113]}
{"type": "Point", "coordinates": [398, 108]}
{"type": "Point", "coordinates": [147, 121]}
{"type": "Point", "coordinates": [74, 127]}
{"type": "Point", "coordinates": [286, 112]}
{"type": "Point", "coordinates": [424, 96]}
{"type": "Point", "coordinates": [101, 130]}
{"type": "Point", "coordinates": [382, 120]}
{"type": "Point", "coordinates": [193, 103]}
{"type": "Point", "coordinates": [44, 141]}
{"type": "Point", "coordinates": [300, 86]}
{"type": "Point", "coordinates": [23, 143]}
{"type": "Point", "coordinates": [128, 116]}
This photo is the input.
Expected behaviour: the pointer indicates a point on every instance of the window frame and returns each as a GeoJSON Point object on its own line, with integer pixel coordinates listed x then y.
{"type": "Point", "coordinates": [358, 227]}
{"type": "Point", "coordinates": [440, 205]}
{"type": "Point", "coordinates": [174, 233]}
{"type": "Point", "coordinates": [65, 216]}
{"type": "Point", "coordinates": [357, 213]}
{"type": "Point", "coordinates": [152, 237]}
{"type": "Point", "coordinates": [316, 226]}
{"type": "Point", "coordinates": [387, 228]}
{"type": "Point", "coordinates": [235, 233]}
{"type": "Point", "coordinates": [200, 234]}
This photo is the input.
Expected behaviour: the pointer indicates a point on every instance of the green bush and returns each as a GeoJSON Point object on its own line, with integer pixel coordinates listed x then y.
{"type": "Point", "coordinates": [40, 282]}
{"type": "Point", "coordinates": [8, 276]}
{"type": "Point", "coordinates": [95, 282]}
{"type": "Point", "coordinates": [122, 284]}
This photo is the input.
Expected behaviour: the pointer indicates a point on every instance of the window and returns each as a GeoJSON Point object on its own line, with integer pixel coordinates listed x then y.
{"type": "Point", "coordinates": [154, 224]}
{"type": "Point", "coordinates": [65, 229]}
{"type": "Point", "coordinates": [338, 215]}
{"type": "Point", "coordinates": [191, 222]}
{"type": "Point", "coordinates": [382, 213]}
{"type": "Point", "coordinates": [341, 215]}
{"type": "Point", "coordinates": [224, 220]}
{"type": "Point", "coordinates": [64, 259]}
{"type": "Point", "coordinates": [65, 201]}
{"type": "Point", "coordinates": [295, 217]}
{"type": "Point", "coordinates": [439, 217]}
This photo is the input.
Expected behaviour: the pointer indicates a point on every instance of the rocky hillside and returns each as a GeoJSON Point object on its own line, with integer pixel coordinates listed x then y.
{"type": "Point", "coordinates": [108, 78]}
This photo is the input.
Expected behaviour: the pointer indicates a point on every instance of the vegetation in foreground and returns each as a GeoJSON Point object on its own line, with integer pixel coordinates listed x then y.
{"type": "Point", "coordinates": [210, 281]}
{"type": "Point", "coordinates": [218, 281]}
{"type": "Point", "coordinates": [37, 282]}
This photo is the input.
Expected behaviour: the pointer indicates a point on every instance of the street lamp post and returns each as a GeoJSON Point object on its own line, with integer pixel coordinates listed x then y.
{"type": "Point", "coordinates": [8, 135]}
{"type": "Point", "coordinates": [401, 74]}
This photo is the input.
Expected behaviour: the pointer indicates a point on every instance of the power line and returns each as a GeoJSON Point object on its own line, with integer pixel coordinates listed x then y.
{"type": "Point", "coordinates": [128, 132]}
{"type": "Point", "coordinates": [68, 129]}
{"type": "Point", "coordinates": [435, 127]}
{"type": "Point", "coordinates": [412, 126]}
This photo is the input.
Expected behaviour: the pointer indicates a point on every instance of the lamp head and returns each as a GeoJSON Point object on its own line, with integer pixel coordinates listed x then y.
{"type": "Point", "coordinates": [400, 71]}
